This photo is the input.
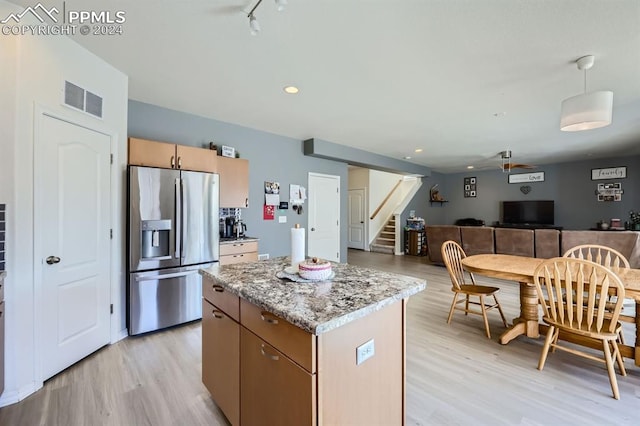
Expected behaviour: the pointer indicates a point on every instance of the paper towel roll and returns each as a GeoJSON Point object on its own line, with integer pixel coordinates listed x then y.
{"type": "Point", "coordinates": [297, 246]}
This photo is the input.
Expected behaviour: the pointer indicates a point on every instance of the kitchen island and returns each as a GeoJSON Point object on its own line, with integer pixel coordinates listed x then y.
{"type": "Point", "coordinates": [281, 352]}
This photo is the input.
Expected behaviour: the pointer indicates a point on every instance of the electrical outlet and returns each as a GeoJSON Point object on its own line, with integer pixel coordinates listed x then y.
{"type": "Point", "coordinates": [282, 219]}
{"type": "Point", "coordinates": [264, 256]}
{"type": "Point", "coordinates": [365, 351]}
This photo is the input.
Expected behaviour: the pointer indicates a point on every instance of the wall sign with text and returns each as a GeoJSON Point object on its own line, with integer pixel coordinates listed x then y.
{"type": "Point", "coordinates": [609, 173]}
{"type": "Point", "coordinates": [526, 177]}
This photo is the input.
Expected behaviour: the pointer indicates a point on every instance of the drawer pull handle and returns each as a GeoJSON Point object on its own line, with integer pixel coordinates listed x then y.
{"type": "Point", "coordinates": [267, 319]}
{"type": "Point", "coordinates": [271, 357]}
{"type": "Point", "coordinates": [173, 162]}
{"type": "Point", "coordinates": [218, 288]}
{"type": "Point", "coordinates": [238, 255]}
{"type": "Point", "coordinates": [217, 314]}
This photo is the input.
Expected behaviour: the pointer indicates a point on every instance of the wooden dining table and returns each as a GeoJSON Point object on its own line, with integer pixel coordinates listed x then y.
{"type": "Point", "coordinates": [521, 269]}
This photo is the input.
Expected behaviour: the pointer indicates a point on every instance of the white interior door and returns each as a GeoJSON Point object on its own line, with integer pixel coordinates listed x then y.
{"type": "Point", "coordinates": [356, 219]}
{"type": "Point", "coordinates": [324, 217]}
{"type": "Point", "coordinates": [73, 222]}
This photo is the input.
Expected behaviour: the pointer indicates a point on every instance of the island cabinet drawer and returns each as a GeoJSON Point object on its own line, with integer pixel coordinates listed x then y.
{"type": "Point", "coordinates": [292, 341]}
{"type": "Point", "coordinates": [238, 247]}
{"type": "Point", "coordinates": [221, 298]}
{"type": "Point", "coordinates": [273, 389]}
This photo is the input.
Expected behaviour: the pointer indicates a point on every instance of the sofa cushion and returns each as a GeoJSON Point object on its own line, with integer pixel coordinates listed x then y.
{"type": "Point", "coordinates": [547, 243]}
{"type": "Point", "coordinates": [626, 242]}
{"type": "Point", "coordinates": [477, 239]}
{"type": "Point", "coordinates": [518, 242]}
{"type": "Point", "coordinates": [438, 234]}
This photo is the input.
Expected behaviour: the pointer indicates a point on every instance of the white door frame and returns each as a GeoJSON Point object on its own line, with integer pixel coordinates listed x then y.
{"type": "Point", "coordinates": [337, 177]}
{"type": "Point", "coordinates": [40, 111]}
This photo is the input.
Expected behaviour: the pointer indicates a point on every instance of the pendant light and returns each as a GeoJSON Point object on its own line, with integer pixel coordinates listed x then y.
{"type": "Point", "coordinates": [589, 110]}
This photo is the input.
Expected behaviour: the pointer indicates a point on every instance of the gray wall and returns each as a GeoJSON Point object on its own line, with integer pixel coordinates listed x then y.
{"type": "Point", "coordinates": [432, 213]}
{"type": "Point", "coordinates": [271, 158]}
{"type": "Point", "coordinates": [568, 184]}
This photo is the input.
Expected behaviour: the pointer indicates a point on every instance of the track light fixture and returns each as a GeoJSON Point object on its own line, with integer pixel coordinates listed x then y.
{"type": "Point", "coordinates": [281, 5]}
{"type": "Point", "coordinates": [254, 25]}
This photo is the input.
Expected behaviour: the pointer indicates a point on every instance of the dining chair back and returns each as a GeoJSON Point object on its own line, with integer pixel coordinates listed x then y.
{"type": "Point", "coordinates": [608, 257]}
{"type": "Point", "coordinates": [602, 255]}
{"type": "Point", "coordinates": [572, 293]}
{"type": "Point", "coordinates": [452, 255]}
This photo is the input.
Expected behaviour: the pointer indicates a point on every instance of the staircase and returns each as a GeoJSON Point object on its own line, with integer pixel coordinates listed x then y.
{"type": "Point", "coordinates": [386, 240]}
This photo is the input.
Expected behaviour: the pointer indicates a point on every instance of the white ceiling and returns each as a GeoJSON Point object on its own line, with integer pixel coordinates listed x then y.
{"type": "Point", "coordinates": [463, 80]}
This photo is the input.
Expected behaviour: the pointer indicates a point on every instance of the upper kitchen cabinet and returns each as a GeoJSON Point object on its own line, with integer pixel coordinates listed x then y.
{"type": "Point", "coordinates": [234, 182]}
{"type": "Point", "coordinates": [144, 152]}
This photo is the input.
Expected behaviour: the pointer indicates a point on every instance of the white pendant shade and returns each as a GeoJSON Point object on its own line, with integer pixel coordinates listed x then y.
{"type": "Point", "coordinates": [586, 111]}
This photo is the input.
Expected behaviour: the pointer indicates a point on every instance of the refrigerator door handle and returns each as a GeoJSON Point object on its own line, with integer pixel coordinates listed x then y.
{"type": "Point", "coordinates": [183, 214]}
{"type": "Point", "coordinates": [178, 227]}
{"type": "Point", "coordinates": [165, 276]}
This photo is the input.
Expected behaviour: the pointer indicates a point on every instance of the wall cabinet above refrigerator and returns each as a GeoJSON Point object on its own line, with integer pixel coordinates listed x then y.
{"type": "Point", "coordinates": [143, 152]}
{"type": "Point", "coordinates": [234, 172]}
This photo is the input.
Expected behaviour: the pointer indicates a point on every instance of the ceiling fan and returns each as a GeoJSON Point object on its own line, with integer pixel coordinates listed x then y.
{"type": "Point", "coordinates": [507, 165]}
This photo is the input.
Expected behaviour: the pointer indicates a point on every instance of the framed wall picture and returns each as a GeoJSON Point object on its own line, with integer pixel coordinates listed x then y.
{"type": "Point", "coordinates": [470, 187]}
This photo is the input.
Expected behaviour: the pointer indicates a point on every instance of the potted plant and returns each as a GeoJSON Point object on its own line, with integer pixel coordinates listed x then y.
{"type": "Point", "coordinates": [634, 220]}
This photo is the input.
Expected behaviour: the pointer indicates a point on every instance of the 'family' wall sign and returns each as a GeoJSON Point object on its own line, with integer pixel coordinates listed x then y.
{"type": "Point", "coordinates": [609, 173]}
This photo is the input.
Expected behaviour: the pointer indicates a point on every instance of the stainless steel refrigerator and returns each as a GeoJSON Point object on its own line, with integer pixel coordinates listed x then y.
{"type": "Point", "coordinates": [173, 231]}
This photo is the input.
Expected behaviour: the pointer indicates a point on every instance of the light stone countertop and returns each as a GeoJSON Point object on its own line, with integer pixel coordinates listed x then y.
{"type": "Point", "coordinates": [319, 307]}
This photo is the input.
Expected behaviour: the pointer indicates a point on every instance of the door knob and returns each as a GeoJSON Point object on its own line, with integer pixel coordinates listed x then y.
{"type": "Point", "coordinates": [53, 259]}
{"type": "Point", "coordinates": [313, 229]}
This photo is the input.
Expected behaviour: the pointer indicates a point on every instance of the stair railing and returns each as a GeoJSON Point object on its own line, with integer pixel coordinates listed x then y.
{"type": "Point", "coordinates": [377, 210]}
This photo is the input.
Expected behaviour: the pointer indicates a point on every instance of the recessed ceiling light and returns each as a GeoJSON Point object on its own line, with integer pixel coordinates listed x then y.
{"type": "Point", "coordinates": [292, 90]}
{"type": "Point", "coordinates": [469, 167]}
{"type": "Point", "coordinates": [408, 157]}
{"type": "Point", "coordinates": [418, 150]}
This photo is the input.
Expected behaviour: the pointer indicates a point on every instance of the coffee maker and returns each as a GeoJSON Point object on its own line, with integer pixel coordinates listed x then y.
{"type": "Point", "coordinates": [229, 227]}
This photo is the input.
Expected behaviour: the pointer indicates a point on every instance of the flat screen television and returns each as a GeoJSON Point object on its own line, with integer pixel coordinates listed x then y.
{"type": "Point", "coordinates": [528, 212]}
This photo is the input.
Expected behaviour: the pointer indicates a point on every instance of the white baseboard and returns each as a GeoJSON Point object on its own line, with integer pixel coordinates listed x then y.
{"type": "Point", "coordinates": [120, 335]}
{"type": "Point", "coordinates": [12, 396]}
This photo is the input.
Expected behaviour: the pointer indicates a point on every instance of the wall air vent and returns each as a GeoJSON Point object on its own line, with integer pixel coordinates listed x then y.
{"type": "Point", "coordinates": [79, 98]}
{"type": "Point", "coordinates": [93, 104]}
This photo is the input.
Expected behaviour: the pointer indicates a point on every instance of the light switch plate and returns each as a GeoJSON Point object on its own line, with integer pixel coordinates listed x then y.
{"type": "Point", "coordinates": [282, 219]}
{"type": "Point", "coordinates": [365, 351]}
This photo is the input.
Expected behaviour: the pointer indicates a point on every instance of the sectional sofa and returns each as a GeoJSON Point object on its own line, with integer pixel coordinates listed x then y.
{"type": "Point", "coordinates": [543, 243]}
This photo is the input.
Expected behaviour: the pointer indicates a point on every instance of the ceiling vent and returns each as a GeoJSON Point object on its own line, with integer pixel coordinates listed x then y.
{"type": "Point", "coordinates": [79, 98]}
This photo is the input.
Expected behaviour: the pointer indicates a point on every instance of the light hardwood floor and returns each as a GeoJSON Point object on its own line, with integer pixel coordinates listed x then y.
{"type": "Point", "coordinates": [455, 375]}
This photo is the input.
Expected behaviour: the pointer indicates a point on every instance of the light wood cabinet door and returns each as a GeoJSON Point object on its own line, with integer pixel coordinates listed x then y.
{"type": "Point", "coordinates": [196, 159]}
{"type": "Point", "coordinates": [143, 152]}
{"type": "Point", "coordinates": [274, 389]}
{"type": "Point", "coordinates": [221, 360]}
{"type": "Point", "coordinates": [234, 182]}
